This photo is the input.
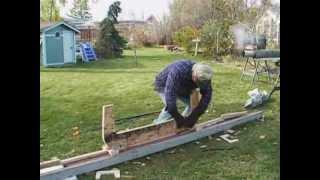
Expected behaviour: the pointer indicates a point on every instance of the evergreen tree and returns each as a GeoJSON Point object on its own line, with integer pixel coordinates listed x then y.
{"type": "Point", "coordinates": [110, 43]}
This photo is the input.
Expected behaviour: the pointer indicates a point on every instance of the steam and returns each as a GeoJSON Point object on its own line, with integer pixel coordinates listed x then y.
{"type": "Point", "coordinates": [241, 34]}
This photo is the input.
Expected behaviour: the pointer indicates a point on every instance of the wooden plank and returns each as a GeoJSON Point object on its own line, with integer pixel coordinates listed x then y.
{"type": "Point", "coordinates": [51, 168]}
{"type": "Point", "coordinates": [233, 115]}
{"type": "Point", "coordinates": [50, 163]}
{"type": "Point", "coordinates": [83, 157]}
{"type": "Point", "coordinates": [225, 137]}
{"type": "Point", "coordinates": [209, 123]}
{"type": "Point", "coordinates": [107, 161]}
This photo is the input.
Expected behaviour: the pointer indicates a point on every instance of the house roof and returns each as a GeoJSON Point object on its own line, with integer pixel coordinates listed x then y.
{"type": "Point", "coordinates": [49, 26]}
{"type": "Point", "coordinates": [131, 22]}
{"type": "Point", "coordinates": [151, 19]}
{"type": "Point", "coordinates": [81, 24]}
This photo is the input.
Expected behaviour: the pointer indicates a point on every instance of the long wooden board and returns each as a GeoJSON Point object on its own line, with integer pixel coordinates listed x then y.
{"type": "Point", "coordinates": [150, 148]}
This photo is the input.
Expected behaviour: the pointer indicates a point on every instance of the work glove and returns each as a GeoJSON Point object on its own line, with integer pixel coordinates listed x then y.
{"type": "Point", "coordinates": [190, 121]}
{"type": "Point", "coordinates": [179, 121]}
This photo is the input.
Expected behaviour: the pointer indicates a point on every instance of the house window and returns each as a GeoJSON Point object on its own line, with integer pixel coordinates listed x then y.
{"type": "Point", "coordinates": [57, 35]}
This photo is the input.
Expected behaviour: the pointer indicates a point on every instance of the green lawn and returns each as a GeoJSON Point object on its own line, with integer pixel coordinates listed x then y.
{"type": "Point", "coordinates": [73, 96]}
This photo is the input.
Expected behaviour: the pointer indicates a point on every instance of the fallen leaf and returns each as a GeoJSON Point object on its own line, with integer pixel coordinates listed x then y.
{"type": "Point", "coordinates": [54, 158]}
{"type": "Point", "coordinates": [71, 152]}
{"type": "Point", "coordinates": [172, 152]}
{"type": "Point", "coordinates": [77, 133]}
{"type": "Point", "coordinates": [203, 146]}
{"type": "Point", "coordinates": [136, 162]}
{"type": "Point", "coordinates": [75, 128]}
{"type": "Point", "coordinates": [262, 137]}
{"type": "Point", "coordinates": [181, 150]}
{"type": "Point", "coordinates": [230, 131]}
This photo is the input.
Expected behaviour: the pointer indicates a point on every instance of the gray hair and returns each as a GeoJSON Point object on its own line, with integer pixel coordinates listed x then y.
{"type": "Point", "coordinates": [202, 71]}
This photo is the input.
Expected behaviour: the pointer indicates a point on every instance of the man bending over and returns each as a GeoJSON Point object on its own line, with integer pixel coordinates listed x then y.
{"type": "Point", "coordinates": [177, 81]}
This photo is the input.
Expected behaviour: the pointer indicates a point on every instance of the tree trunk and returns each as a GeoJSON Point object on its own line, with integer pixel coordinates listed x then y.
{"type": "Point", "coordinates": [217, 42]}
{"type": "Point", "coordinates": [51, 8]}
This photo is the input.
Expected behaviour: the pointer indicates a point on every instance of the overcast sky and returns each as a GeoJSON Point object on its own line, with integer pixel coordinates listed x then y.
{"type": "Point", "coordinates": [140, 8]}
{"type": "Point", "coordinates": [131, 9]}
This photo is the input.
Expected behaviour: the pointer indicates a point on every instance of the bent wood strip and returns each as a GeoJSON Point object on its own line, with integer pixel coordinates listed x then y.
{"type": "Point", "coordinates": [107, 161]}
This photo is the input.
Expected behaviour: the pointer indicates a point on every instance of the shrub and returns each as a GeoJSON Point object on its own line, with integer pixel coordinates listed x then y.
{"type": "Point", "coordinates": [184, 37]}
{"type": "Point", "coordinates": [216, 38]}
{"type": "Point", "coordinates": [141, 38]}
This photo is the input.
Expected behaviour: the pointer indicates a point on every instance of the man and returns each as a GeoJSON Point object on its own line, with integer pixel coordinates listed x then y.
{"type": "Point", "coordinates": [177, 81]}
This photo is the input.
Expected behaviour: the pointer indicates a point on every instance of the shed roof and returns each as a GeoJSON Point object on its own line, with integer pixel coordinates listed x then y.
{"type": "Point", "coordinates": [51, 26]}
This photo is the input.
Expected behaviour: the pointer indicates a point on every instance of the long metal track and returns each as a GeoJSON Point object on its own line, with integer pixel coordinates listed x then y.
{"type": "Point", "coordinates": [105, 161]}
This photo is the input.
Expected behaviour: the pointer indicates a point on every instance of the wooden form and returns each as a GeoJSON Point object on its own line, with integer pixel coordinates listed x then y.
{"type": "Point", "coordinates": [103, 160]}
{"type": "Point", "coordinates": [122, 140]}
{"type": "Point", "coordinates": [127, 139]}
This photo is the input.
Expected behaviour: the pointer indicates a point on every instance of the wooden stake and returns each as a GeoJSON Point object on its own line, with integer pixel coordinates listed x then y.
{"type": "Point", "coordinates": [196, 50]}
{"type": "Point", "coordinates": [107, 122]}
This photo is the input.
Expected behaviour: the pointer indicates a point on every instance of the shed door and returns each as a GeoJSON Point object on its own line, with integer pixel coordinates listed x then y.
{"type": "Point", "coordinates": [68, 46]}
{"type": "Point", "coordinates": [54, 49]}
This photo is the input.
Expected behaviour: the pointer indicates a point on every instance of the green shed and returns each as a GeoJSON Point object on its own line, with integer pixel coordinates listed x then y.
{"type": "Point", "coordinates": [58, 44]}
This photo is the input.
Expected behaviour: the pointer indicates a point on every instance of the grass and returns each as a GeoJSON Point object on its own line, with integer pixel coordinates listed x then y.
{"type": "Point", "coordinates": [73, 96]}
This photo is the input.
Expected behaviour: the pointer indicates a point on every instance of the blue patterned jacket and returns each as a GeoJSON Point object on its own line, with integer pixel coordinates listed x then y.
{"type": "Point", "coordinates": [175, 81]}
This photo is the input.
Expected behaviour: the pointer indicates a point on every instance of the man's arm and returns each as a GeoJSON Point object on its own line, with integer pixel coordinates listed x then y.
{"type": "Point", "coordinates": [171, 98]}
{"type": "Point", "coordinates": [206, 95]}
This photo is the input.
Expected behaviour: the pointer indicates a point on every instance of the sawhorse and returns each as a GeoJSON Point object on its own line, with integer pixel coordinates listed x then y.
{"type": "Point", "coordinates": [276, 86]}
{"type": "Point", "coordinates": [258, 63]}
